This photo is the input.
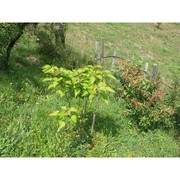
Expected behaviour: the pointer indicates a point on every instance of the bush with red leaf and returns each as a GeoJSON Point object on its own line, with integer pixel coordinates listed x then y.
{"type": "Point", "coordinates": [145, 100]}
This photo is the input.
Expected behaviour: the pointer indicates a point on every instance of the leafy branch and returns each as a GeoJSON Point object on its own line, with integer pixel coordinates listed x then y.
{"type": "Point", "coordinates": [82, 84]}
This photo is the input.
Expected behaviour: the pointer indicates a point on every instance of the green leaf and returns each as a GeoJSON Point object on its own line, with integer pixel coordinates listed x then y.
{"type": "Point", "coordinates": [55, 113]}
{"type": "Point", "coordinates": [47, 79]}
{"type": "Point", "coordinates": [91, 96]}
{"type": "Point", "coordinates": [68, 82]}
{"type": "Point", "coordinates": [92, 79]}
{"type": "Point", "coordinates": [85, 93]}
{"type": "Point", "coordinates": [99, 76]}
{"type": "Point", "coordinates": [57, 79]}
{"type": "Point", "coordinates": [109, 89]}
{"type": "Point", "coordinates": [73, 109]}
{"type": "Point", "coordinates": [81, 70]}
{"type": "Point", "coordinates": [62, 124]}
{"type": "Point", "coordinates": [74, 118]}
{"type": "Point", "coordinates": [101, 84]}
{"type": "Point", "coordinates": [98, 66]}
{"type": "Point", "coordinates": [53, 85]}
{"type": "Point", "coordinates": [105, 97]}
{"type": "Point", "coordinates": [60, 93]}
{"type": "Point", "coordinates": [63, 107]}
{"type": "Point", "coordinates": [46, 67]}
{"type": "Point", "coordinates": [111, 76]}
{"type": "Point", "coordinates": [76, 92]}
{"type": "Point", "coordinates": [102, 88]}
{"type": "Point", "coordinates": [63, 114]}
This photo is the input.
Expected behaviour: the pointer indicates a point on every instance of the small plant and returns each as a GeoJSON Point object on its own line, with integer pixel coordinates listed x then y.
{"type": "Point", "coordinates": [81, 84]}
{"type": "Point", "coordinates": [144, 99]}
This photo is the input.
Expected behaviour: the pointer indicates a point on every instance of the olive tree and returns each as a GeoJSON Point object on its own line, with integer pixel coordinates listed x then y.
{"type": "Point", "coordinates": [51, 38]}
{"type": "Point", "coordinates": [9, 35]}
{"type": "Point", "coordinates": [59, 30]}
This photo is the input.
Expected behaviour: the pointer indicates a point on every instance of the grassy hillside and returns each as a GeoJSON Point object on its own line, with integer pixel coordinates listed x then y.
{"type": "Point", "coordinates": [134, 41]}
{"type": "Point", "coordinates": [27, 130]}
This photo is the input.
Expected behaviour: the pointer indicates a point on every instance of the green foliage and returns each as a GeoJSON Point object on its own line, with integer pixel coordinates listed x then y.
{"type": "Point", "coordinates": [27, 130]}
{"type": "Point", "coordinates": [9, 34]}
{"type": "Point", "coordinates": [144, 99]}
{"type": "Point", "coordinates": [51, 38]}
{"type": "Point", "coordinates": [173, 99]}
{"type": "Point", "coordinates": [7, 31]}
{"type": "Point", "coordinates": [67, 116]}
{"type": "Point", "coordinates": [83, 84]}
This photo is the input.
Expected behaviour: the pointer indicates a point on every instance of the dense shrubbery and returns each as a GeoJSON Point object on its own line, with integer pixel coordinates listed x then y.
{"type": "Point", "coordinates": [173, 99]}
{"type": "Point", "coordinates": [51, 38]}
{"type": "Point", "coordinates": [145, 99]}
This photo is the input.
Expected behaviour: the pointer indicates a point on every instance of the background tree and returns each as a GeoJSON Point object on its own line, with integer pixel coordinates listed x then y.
{"type": "Point", "coordinates": [9, 35]}
{"type": "Point", "coordinates": [51, 38]}
{"type": "Point", "coordinates": [59, 30]}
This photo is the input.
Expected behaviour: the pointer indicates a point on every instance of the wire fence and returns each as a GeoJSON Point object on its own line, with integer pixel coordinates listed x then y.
{"type": "Point", "coordinates": [114, 57]}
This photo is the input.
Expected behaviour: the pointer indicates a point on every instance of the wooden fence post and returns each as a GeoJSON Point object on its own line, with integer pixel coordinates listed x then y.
{"type": "Point", "coordinates": [154, 72]}
{"type": "Point", "coordinates": [113, 60]}
{"type": "Point", "coordinates": [93, 123]}
{"type": "Point", "coordinates": [146, 69]}
{"type": "Point", "coordinates": [102, 52]}
{"type": "Point", "coordinates": [96, 53]}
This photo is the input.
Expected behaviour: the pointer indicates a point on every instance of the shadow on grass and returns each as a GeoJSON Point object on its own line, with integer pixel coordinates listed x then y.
{"type": "Point", "coordinates": [83, 139]}
{"type": "Point", "coordinates": [25, 67]}
{"type": "Point", "coordinates": [25, 73]}
{"type": "Point", "coordinates": [103, 123]}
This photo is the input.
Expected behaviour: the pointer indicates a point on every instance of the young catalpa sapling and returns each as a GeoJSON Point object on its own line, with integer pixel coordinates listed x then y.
{"type": "Point", "coordinates": [83, 84]}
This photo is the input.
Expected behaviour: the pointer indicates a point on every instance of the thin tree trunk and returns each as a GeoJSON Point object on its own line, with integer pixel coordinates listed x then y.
{"type": "Point", "coordinates": [62, 34]}
{"type": "Point", "coordinates": [11, 45]}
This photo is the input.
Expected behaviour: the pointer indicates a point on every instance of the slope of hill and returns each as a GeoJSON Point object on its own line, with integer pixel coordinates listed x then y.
{"type": "Point", "coordinates": [27, 130]}
{"type": "Point", "coordinates": [138, 42]}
